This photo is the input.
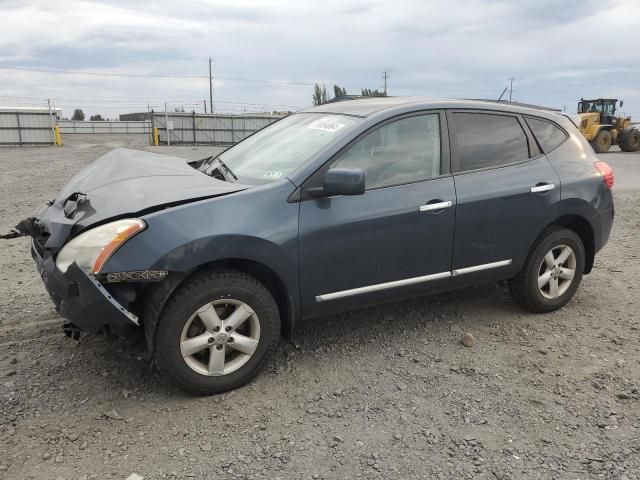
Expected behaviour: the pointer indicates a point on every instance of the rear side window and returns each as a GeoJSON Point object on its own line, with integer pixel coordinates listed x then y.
{"type": "Point", "coordinates": [487, 140]}
{"type": "Point", "coordinates": [548, 135]}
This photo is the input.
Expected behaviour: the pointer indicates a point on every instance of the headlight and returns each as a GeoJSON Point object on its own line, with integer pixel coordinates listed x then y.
{"type": "Point", "coordinates": [92, 249]}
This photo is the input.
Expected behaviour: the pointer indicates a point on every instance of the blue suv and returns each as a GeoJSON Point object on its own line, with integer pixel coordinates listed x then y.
{"type": "Point", "coordinates": [332, 208]}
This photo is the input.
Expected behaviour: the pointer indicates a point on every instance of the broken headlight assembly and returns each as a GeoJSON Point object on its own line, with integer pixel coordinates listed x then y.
{"type": "Point", "coordinates": [91, 249]}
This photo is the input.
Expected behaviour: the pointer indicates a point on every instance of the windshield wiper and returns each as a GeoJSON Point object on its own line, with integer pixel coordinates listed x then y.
{"type": "Point", "coordinates": [229, 171]}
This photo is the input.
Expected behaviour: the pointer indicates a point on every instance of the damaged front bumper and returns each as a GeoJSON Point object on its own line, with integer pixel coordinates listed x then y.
{"type": "Point", "coordinates": [80, 298]}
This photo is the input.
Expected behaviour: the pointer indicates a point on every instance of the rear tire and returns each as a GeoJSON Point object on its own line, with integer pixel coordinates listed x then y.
{"type": "Point", "coordinates": [602, 142]}
{"type": "Point", "coordinates": [216, 332]}
{"type": "Point", "coordinates": [543, 285]}
{"type": "Point", "coordinates": [632, 141]}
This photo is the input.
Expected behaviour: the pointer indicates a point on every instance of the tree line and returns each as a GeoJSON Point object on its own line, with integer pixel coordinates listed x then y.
{"type": "Point", "coordinates": [320, 94]}
{"type": "Point", "coordinates": [78, 114]}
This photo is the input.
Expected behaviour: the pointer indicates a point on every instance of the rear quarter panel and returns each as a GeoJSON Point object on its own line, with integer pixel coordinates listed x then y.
{"type": "Point", "coordinates": [583, 191]}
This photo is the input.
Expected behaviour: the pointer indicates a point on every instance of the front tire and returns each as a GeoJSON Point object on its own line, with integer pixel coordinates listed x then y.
{"type": "Point", "coordinates": [216, 332]}
{"type": "Point", "coordinates": [552, 272]}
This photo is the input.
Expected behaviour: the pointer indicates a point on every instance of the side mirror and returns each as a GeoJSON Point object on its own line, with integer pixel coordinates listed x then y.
{"type": "Point", "coordinates": [344, 181]}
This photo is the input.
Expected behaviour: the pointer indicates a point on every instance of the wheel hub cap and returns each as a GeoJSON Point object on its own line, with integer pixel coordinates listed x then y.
{"type": "Point", "coordinates": [220, 337]}
{"type": "Point", "coordinates": [556, 271]}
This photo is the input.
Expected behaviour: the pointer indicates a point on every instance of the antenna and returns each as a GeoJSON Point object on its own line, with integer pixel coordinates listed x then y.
{"type": "Point", "coordinates": [503, 91]}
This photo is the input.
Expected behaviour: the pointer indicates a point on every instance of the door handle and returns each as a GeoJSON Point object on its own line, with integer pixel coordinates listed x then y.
{"type": "Point", "coordinates": [430, 207]}
{"type": "Point", "coordinates": [542, 187]}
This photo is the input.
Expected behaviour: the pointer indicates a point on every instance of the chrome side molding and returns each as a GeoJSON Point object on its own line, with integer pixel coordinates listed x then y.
{"type": "Point", "coordinates": [478, 268]}
{"type": "Point", "coordinates": [382, 286]}
{"type": "Point", "coordinates": [410, 281]}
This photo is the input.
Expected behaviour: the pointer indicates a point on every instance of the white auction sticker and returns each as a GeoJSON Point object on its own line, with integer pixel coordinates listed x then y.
{"type": "Point", "coordinates": [273, 175]}
{"type": "Point", "coordinates": [328, 124]}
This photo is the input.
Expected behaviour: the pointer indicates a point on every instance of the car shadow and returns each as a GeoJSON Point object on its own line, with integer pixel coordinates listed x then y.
{"type": "Point", "coordinates": [119, 365]}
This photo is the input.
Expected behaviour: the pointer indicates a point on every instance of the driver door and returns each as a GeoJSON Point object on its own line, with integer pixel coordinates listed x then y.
{"type": "Point", "coordinates": [393, 241]}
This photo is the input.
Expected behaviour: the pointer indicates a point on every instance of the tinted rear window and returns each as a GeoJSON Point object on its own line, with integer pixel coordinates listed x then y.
{"type": "Point", "coordinates": [549, 136]}
{"type": "Point", "coordinates": [488, 140]}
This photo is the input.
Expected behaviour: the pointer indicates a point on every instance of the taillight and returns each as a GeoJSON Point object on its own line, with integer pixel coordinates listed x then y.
{"type": "Point", "coordinates": [606, 172]}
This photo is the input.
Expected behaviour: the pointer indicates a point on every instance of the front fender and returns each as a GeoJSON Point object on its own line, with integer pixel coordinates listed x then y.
{"type": "Point", "coordinates": [191, 255]}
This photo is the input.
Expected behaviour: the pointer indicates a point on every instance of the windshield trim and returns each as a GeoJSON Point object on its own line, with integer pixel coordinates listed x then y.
{"type": "Point", "coordinates": [317, 112]}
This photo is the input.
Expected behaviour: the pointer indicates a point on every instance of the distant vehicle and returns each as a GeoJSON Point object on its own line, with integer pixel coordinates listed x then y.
{"type": "Point", "coordinates": [333, 208]}
{"type": "Point", "coordinates": [600, 125]}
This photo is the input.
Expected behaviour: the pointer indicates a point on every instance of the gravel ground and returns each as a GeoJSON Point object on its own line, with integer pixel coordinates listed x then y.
{"type": "Point", "coordinates": [386, 392]}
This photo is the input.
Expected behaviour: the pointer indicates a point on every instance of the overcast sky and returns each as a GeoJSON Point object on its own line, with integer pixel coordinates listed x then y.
{"type": "Point", "coordinates": [271, 52]}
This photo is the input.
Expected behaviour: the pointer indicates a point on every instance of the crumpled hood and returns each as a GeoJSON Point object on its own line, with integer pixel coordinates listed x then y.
{"type": "Point", "coordinates": [143, 179]}
{"type": "Point", "coordinates": [125, 182]}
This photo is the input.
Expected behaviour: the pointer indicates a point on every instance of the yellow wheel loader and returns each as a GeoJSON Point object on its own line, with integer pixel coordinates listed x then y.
{"type": "Point", "coordinates": [602, 127]}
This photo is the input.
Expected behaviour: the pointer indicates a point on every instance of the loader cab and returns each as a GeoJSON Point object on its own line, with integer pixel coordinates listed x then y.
{"type": "Point", "coordinates": [606, 107]}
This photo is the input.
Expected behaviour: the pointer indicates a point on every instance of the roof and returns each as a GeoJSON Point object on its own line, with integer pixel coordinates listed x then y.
{"type": "Point", "coordinates": [520, 104]}
{"type": "Point", "coordinates": [367, 106]}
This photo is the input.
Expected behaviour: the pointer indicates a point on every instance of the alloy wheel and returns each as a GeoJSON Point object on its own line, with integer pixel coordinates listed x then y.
{"type": "Point", "coordinates": [220, 337]}
{"type": "Point", "coordinates": [556, 272]}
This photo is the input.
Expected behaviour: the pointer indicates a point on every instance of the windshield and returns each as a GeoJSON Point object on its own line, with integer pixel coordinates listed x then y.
{"type": "Point", "coordinates": [280, 148]}
{"type": "Point", "coordinates": [597, 106]}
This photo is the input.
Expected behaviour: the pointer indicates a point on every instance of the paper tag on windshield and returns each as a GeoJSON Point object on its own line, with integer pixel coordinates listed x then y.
{"type": "Point", "coordinates": [328, 124]}
{"type": "Point", "coordinates": [272, 175]}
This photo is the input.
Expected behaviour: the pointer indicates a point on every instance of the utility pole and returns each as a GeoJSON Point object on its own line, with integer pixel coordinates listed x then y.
{"type": "Point", "coordinates": [210, 87]}
{"type": "Point", "coordinates": [385, 77]}
{"type": "Point", "coordinates": [204, 102]}
{"type": "Point", "coordinates": [510, 87]}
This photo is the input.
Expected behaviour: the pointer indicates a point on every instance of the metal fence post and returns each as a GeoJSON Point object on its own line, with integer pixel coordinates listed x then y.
{"type": "Point", "coordinates": [166, 124]}
{"type": "Point", "coordinates": [193, 117]}
{"type": "Point", "coordinates": [19, 129]}
{"type": "Point", "coordinates": [244, 121]}
{"type": "Point", "coordinates": [153, 126]}
{"type": "Point", "coordinates": [233, 133]}
{"type": "Point", "coordinates": [52, 124]}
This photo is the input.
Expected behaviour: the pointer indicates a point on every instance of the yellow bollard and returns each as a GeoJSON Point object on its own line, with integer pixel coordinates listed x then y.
{"type": "Point", "coordinates": [156, 137]}
{"type": "Point", "coordinates": [56, 131]}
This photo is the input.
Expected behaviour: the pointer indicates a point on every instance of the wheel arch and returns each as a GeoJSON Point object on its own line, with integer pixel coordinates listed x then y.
{"type": "Point", "coordinates": [157, 295]}
{"type": "Point", "coordinates": [584, 230]}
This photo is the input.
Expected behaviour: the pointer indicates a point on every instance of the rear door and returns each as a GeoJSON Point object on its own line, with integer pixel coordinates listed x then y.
{"type": "Point", "coordinates": [507, 192]}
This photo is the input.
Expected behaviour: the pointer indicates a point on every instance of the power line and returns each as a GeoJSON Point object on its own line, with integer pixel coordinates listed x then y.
{"type": "Point", "coordinates": [144, 102]}
{"type": "Point", "coordinates": [150, 75]}
{"type": "Point", "coordinates": [301, 83]}
{"type": "Point", "coordinates": [99, 74]}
